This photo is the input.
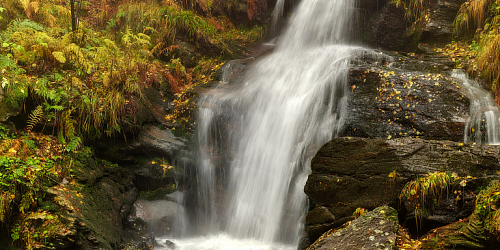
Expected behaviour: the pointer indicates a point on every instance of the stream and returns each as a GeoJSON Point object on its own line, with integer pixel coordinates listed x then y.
{"type": "Point", "coordinates": [256, 136]}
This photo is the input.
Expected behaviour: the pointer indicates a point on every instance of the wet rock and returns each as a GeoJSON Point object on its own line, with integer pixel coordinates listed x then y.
{"type": "Point", "coordinates": [374, 230]}
{"type": "Point", "coordinates": [348, 173]}
{"type": "Point", "coordinates": [438, 27]}
{"type": "Point", "coordinates": [170, 245]}
{"type": "Point", "coordinates": [158, 142]}
{"type": "Point", "coordinates": [478, 231]}
{"type": "Point", "coordinates": [452, 207]}
{"type": "Point", "coordinates": [320, 215]}
{"type": "Point", "coordinates": [93, 207]}
{"type": "Point", "coordinates": [386, 27]}
{"type": "Point", "coordinates": [146, 243]}
{"type": "Point", "coordinates": [395, 102]}
{"type": "Point", "coordinates": [159, 217]}
{"type": "Point", "coordinates": [319, 220]}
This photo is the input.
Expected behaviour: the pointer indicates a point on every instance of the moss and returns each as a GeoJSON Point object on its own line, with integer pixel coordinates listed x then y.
{"type": "Point", "coordinates": [479, 231]}
{"type": "Point", "coordinates": [157, 194]}
{"type": "Point", "coordinates": [413, 38]}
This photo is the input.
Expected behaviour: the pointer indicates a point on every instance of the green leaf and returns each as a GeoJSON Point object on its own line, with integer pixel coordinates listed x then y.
{"type": "Point", "coordinates": [56, 107]}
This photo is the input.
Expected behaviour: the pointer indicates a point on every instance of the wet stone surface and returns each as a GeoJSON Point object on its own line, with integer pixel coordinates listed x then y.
{"type": "Point", "coordinates": [374, 230]}
{"type": "Point", "coordinates": [392, 103]}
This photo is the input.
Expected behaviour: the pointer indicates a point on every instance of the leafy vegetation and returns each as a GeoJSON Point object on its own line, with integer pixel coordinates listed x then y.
{"type": "Point", "coordinates": [426, 191]}
{"type": "Point", "coordinates": [69, 87]}
{"type": "Point", "coordinates": [91, 82]}
{"type": "Point", "coordinates": [29, 164]}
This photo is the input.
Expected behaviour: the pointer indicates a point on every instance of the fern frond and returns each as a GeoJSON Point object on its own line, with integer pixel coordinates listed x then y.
{"type": "Point", "coordinates": [69, 127]}
{"type": "Point", "coordinates": [34, 117]}
{"type": "Point", "coordinates": [59, 56]}
{"type": "Point", "coordinates": [6, 144]}
{"type": "Point", "coordinates": [74, 144]}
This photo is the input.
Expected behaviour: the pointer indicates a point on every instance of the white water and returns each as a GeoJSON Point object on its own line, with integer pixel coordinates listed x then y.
{"type": "Point", "coordinates": [257, 136]}
{"type": "Point", "coordinates": [277, 13]}
{"type": "Point", "coordinates": [483, 125]}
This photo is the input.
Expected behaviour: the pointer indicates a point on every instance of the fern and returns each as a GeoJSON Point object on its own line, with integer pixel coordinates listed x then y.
{"type": "Point", "coordinates": [19, 25]}
{"type": "Point", "coordinates": [74, 144]}
{"type": "Point", "coordinates": [59, 56]}
{"type": "Point", "coordinates": [34, 117]}
{"type": "Point", "coordinates": [69, 127]}
{"type": "Point", "coordinates": [6, 143]}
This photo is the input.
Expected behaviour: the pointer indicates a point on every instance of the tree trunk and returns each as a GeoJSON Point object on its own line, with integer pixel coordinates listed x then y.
{"type": "Point", "coordinates": [73, 16]}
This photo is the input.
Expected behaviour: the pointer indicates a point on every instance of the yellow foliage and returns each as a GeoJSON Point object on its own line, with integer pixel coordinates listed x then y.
{"type": "Point", "coordinates": [489, 58]}
{"type": "Point", "coordinates": [34, 117]}
{"type": "Point", "coordinates": [59, 56]}
{"type": "Point", "coordinates": [472, 15]}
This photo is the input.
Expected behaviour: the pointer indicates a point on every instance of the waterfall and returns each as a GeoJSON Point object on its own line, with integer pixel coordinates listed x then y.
{"type": "Point", "coordinates": [277, 14]}
{"type": "Point", "coordinates": [257, 134]}
{"type": "Point", "coordinates": [483, 125]}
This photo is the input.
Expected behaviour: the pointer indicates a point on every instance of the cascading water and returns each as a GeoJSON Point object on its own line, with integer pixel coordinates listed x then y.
{"type": "Point", "coordinates": [257, 135]}
{"type": "Point", "coordinates": [483, 125]}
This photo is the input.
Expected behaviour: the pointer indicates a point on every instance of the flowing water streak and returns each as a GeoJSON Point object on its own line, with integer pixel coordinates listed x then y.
{"type": "Point", "coordinates": [262, 133]}
{"type": "Point", "coordinates": [483, 125]}
{"type": "Point", "coordinates": [277, 14]}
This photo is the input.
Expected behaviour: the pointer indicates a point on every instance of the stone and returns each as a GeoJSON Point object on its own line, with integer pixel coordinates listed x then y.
{"type": "Point", "coordinates": [348, 173]}
{"type": "Point", "coordinates": [93, 215]}
{"type": "Point", "coordinates": [374, 230]}
{"type": "Point", "coordinates": [439, 26]}
{"type": "Point", "coordinates": [399, 102]}
{"type": "Point", "coordinates": [160, 217]}
{"type": "Point", "coordinates": [155, 140]}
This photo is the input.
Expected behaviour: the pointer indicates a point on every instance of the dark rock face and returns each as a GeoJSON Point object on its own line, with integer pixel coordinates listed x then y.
{"type": "Point", "coordinates": [156, 141]}
{"type": "Point", "coordinates": [153, 218]}
{"type": "Point", "coordinates": [438, 27]}
{"type": "Point", "coordinates": [319, 220]}
{"type": "Point", "coordinates": [93, 214]}
{"type": "Point", "coordinates": [385, 26]}
{"type": "Point", "coordinates": [374, 230]}
{"type": "Point", "coordinates": [150, 141]}
{"type": "Point", "coordinates": [353, 172]}
{"type": "Point", "coordinates": [393, 103]}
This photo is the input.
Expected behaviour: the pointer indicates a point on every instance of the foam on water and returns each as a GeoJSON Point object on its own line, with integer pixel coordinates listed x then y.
{"type": "Point", "coordinates": [221, 242]}
{"type": "Point", "coordinates": [483, 125]}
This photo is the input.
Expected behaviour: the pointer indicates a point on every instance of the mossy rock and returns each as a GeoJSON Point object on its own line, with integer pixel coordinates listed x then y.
{"type": "Point", "coordinates": [374, 230]}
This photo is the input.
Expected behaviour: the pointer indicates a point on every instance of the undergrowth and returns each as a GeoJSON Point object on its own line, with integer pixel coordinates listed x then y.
{"type": "Point", "coordinates": [92, 82]}
{"type": "Point", "coordinates": [425, 192]}
{"type": "Point", "coordinates": [71, 88]}
{"type": "Point", "coordinates": [29, 164]}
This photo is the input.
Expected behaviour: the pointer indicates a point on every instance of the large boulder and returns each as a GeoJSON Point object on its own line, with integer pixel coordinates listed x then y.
{"type": "Point", "coordinates": [93, 206]}
{"type": "Point", "coordinates": [348, 173]}
{"type": "Point", "coordinates": [159, 218]}
{"type": "Point", "coordinates": [405, 99]}
{"type": "Point", "coordinates": [384, 26]}
{"type": "Point", "coordinates": [387, 26]}
{"type": "Point", "coordinates": [439, 24]}
{"type": "Point", "coordinates": [374, 230]}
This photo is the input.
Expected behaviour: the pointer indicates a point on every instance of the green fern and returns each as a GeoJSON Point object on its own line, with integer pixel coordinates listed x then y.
{"type": "Point", "coordinates": [74, 144]}
{"type": "Point", "coordinates": [69, 127]}
{"type": "Point", "coordinates": [34, 117]}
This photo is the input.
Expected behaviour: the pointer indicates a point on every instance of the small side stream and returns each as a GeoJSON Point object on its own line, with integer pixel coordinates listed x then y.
{"type": "Point", "coordinates": [483, 125]}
